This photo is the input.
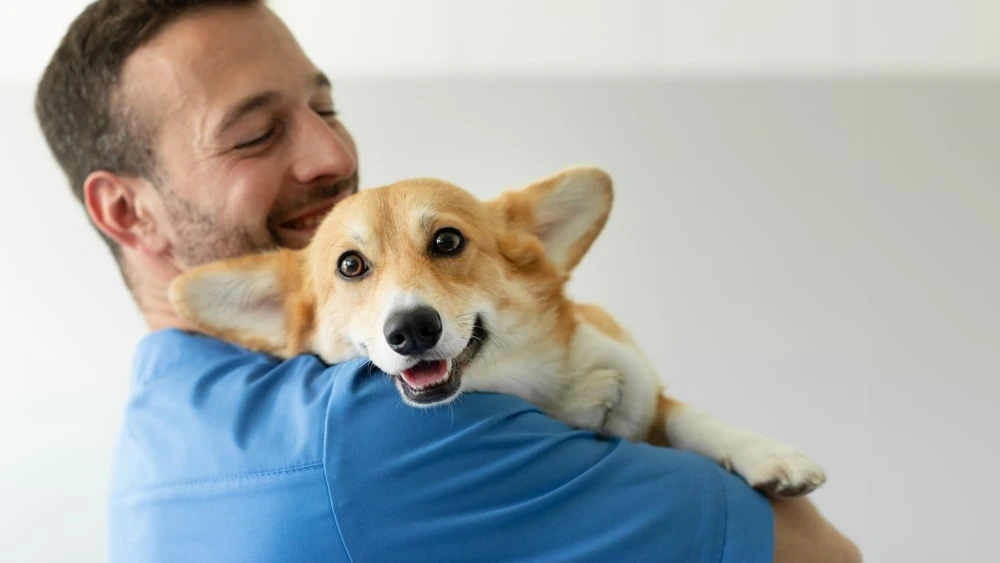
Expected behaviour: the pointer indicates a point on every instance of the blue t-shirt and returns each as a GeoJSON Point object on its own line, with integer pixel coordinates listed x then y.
{"type": "Point", "coordinates": [229, 455]}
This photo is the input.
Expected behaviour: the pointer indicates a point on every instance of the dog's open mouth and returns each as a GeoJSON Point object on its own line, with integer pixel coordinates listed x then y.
{"type": "Point", "coordinates": [434, 381]}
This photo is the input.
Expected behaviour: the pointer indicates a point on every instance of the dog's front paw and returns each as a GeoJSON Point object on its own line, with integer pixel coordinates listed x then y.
{"type": "Point", "coordinates": [774, 468]}
{"type": "Point", "coordinates": [591, 399]}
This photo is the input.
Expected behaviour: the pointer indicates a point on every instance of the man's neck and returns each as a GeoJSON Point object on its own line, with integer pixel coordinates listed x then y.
{"type": "Point", "coordinates": [151, 277]}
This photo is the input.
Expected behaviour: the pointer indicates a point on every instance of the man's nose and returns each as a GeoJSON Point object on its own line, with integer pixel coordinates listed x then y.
{"type": "Point", "coordinates": [323, 153]}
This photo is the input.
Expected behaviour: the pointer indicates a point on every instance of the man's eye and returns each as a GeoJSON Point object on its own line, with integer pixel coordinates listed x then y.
{"type": "Point", "coordinates": [327, 113]}
{"type": "Point", "coordinates": [256, 141]}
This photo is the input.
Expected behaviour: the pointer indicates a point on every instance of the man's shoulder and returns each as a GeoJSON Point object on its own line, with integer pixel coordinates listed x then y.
{"type": "Point", "coordinates": [495, 472]}
{"type": "Point", "coordinates": [173, 356]}
{"type": "Point", "coordinates": [202, 410]}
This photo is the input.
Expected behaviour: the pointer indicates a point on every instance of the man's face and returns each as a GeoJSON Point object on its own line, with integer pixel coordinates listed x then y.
{"type": "Point", "coordinates": [250, 155]}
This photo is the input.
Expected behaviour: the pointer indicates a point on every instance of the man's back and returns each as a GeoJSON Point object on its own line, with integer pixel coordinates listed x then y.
{"type": "Point", "coordinates": [228, 455]}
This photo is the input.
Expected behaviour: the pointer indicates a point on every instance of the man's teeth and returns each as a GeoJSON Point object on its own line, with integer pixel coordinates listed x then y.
{"type": "Point", "coordinates": [307, 222]}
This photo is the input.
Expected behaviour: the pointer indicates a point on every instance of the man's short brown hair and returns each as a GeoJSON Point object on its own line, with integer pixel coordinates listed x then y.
{"type": "Point", "coordinates": [86, 124]}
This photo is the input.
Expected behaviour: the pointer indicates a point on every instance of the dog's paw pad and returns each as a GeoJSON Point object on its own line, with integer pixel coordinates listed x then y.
{"type": "Point", "coordinates": [777, 469]}
{"type": "Point", "coordinates": [783, 489]}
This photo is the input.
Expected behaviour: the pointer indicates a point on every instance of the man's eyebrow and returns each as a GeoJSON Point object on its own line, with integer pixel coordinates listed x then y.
{"type": "Point", "coordinates": [321, 80]}
{"type": "Point", "coordinates": [246, 106]}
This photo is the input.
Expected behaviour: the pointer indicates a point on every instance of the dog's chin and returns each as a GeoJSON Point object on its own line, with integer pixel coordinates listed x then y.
{"type": "Point", "coordinates": [435, 382]}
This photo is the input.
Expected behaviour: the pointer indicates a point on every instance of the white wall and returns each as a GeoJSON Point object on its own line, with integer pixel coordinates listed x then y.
{"type": "Point", "coordinates": [584, 36]}
{"type": "Point", "coordinates": [812, 258]}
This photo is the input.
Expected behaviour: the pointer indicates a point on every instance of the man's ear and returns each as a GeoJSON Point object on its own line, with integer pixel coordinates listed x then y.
{"type": "Point", "coordinates": [260, 302]}
{"type": "Point", "coordinates": [114, 204]}
{"type": "Point", "coordinates": [566, 211]}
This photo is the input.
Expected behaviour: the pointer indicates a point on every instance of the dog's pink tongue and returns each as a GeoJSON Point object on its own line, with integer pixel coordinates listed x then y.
{"type": "Point", "coordinates": [426, 373]}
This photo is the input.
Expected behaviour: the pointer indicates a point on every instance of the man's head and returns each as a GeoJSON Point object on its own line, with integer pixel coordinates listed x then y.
{"type": "Point", "coordinates": [193, 130]}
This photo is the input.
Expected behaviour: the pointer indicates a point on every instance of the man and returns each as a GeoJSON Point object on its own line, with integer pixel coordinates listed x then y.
{"type": "Point", "coordinates": [198, 130]}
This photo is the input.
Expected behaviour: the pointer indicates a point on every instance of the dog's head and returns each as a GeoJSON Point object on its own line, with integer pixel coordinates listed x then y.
{"type": "Point", "coordinates": [420, 276]}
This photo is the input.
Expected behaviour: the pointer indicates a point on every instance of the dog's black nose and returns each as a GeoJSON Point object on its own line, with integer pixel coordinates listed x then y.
{"type": "Point", "coordinates": [414, 331]}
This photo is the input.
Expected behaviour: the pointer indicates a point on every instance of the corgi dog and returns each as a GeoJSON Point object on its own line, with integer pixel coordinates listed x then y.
{"type": "Point", "coordinates": [449, 294]}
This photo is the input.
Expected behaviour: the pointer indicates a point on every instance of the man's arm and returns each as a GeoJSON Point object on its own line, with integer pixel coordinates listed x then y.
{"type": "Point", "coordinates": [491, 478]}
{"type": "Point", "coordinates": [802, 534]}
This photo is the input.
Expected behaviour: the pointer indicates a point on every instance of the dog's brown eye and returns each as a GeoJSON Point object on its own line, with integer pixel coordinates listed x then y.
{"type": "Point", "coordinates": [447, 241]}
{"type": "Point", "coordinates": [352, 265]}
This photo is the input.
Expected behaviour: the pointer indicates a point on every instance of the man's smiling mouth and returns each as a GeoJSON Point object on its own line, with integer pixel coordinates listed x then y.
{"type": "Point", "coordinates": [307, 219]}
{"type": "Point", "coordinates": [297, 231]}
{"type": "Point", "coordinates": [310, 219]}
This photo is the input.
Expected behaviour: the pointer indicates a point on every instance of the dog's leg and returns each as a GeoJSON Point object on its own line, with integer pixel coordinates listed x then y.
{"type": "Point", "coordinates": [590, 399]}
{"type": "Point", "coordinates": [768, 465]}
{"type": "Point", "coordinates": [606, 370]}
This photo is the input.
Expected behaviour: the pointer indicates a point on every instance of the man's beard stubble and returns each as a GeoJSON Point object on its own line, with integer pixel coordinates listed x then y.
{"type": "Point", "coordinates": [202, 238]}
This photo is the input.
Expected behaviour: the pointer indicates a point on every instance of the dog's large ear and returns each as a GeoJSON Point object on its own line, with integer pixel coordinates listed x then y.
{"type": "Point", "coordinates": [260, 301]}
{"type": "Point", "coordinates": [566, 211]}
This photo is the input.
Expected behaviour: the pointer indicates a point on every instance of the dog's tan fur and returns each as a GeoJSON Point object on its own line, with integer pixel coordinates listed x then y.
{"type": "Point", "coordinates": [573, 360]}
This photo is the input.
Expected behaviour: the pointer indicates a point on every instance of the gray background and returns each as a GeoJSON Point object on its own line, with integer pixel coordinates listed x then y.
{"type": "Point", "coordinates": [814, 260]}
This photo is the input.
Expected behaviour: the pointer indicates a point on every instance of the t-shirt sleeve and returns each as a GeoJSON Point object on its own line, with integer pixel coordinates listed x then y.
{"type": "Point", "coordinates": [490, 478]}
